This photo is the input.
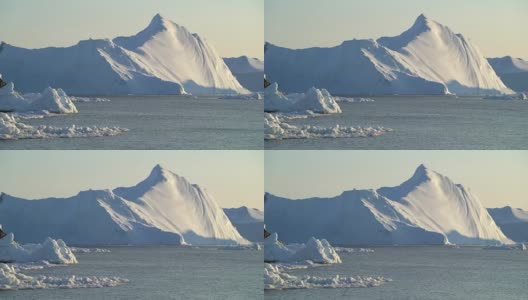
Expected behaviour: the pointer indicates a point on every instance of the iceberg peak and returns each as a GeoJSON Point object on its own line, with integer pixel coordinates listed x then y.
{"type": "Point", "coordinates": [159, 173]}
{"type": "Point", "coordinates": [423, 173]}
{"type": "Point", "coordinates": [422, 21]}
{"type": "Point", "coordinates": [158, 20]}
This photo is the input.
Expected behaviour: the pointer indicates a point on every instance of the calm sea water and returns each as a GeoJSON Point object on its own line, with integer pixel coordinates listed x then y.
{"type": "Point", "coordinates": [425, 273]}
{"type": "Point", "coordinates": [424, 123]}
{"type": "Point", "coordinates": [160, 273]}
{"type": "Point", "coordinates": [159, 122]}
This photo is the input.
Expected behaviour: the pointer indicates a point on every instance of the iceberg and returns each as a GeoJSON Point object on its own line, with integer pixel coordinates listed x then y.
{"type": "Point", "coordinates": [52, 251]}
{"type": "Point", "coordinates": [163, 209]}
{"type": "Point", "coordinates": [512, 71]}
{"type": "Point", "coordinates": [164, 58]}
{"type": "Point", "coordinates": [248, 222]}
{"type": "Point", "coordinates": [427, 209]}
{"type": "Point", "coordinates": [316, 251]}
{"type": "Point", "coordinates": [314, 100]}
{"type": "Point", "coordinates": [512, 221]}
{"type": "Point", "coordinates": [248, 71]}
{"type": "Point", "coordinates": [50, 100]}
{"type": "Point", "coordinates": [428, 58]}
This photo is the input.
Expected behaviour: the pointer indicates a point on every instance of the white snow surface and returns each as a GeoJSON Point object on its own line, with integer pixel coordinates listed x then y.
{"type": "Point", "coordinates": [164, 58]}
{"type": "Point", "coordinates": [12, 129]}
{"type": "Point", "coordinates": [12, 279]}
{"type": "Point", "coordinates": [315, 100]}
{"type": "Point", "coordinates": [508, 65]}
{"type": "Point", "coordinates": [428, 208]}
{"type": "Point", "coordinates": [162, 209]}
{"type": "Point", "coordinates": [244, 64]}
{"type": "Point", "coordinates": [275, 278]}
{"type": "Point", "coordinates": [428, 58]}
{"type": "Point", "coordinates": [316, 251]}
{"type": "Point", "coordinates": [52, 251]}
{"type": "Point", "coordinates": [275, 128]}
{"type": "Point", "coordinates": [50, 100]}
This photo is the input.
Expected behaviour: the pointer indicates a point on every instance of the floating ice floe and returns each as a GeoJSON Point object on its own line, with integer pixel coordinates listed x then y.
{"type": "Point", "coordinates": [317, 251]}
{"type": "Point", "coordinates": [276, 278]}
{"type": "Point", "coordinates": [253, 96]}
{"type": "Point", "coordinates": [275, 129]}
{"type": "Point", "coordinates": [519, 96]}
{"type": "Point", "coordinates": [89, 250]}
{"type": "Point", "coordinates": [12, 129]}
{"type": "Point", "coordinates": [11, 279]}
{"type": "Point", "coordinates": [52, 251]}
{"type": "Point", "coordinates": [353, 250]}
{"type": "Point", "coordinates": [315, 100]}
{"type": "Point", "coordinates": [519, 246]}
{"type": "Point", "coordinates": [50, 100]}
{"type": "Point", "coordinates": [89, 99]}
{"type": "Point", "coordinates": [352, 100]}
{"type": "Point", "coordinates": [254, 246]}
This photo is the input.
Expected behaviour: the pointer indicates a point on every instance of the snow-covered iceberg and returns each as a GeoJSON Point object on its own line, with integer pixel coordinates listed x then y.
{"type": "Point", "coordinates": [429, 208]}
{"type": "Point", "coordinates": [52, 251]}
{"type": "Point", "coordinates": [248, 71]}
{"type": "Point", "coordinates": [50, 100]}
{"type": "Point", "coordinates": [316, 251]}
{"type": "Point", "coordinates": [314, 100]}
{"type": "Point", "coordinates": [276, 128]}
{"type": "Point", "coordinates": [249, 222]}
{"type": "Point", "coordinates": [512, 221]}
{"type": "Point", "coordinates": [428, 58]}
{"type": "Point", "coordinates": [512, 71]}
{"type": "Point", "coordinates": [164, 58]}
{"type": "Point", "coordinates": [162, 209]}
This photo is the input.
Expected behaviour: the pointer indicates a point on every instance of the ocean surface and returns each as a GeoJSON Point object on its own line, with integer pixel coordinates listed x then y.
{"type": "Point", "coordinates": [423, 122]}
{"type": "Point", "coordinates": [158, 122]}
{"type": "Point", "coordinates": [159, 273]}
{"type": "Point", "coordinates": [424, 273]}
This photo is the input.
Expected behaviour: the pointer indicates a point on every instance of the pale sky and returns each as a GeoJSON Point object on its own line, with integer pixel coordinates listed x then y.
{"type": "Point", "coordinates": [497, 27]}
{"type": "Point", "coordinates": [233, 27]}
{"type": "Point", "coordinates": [497, 178]}
{"type": "Point", "coordinates": [234, 178]}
